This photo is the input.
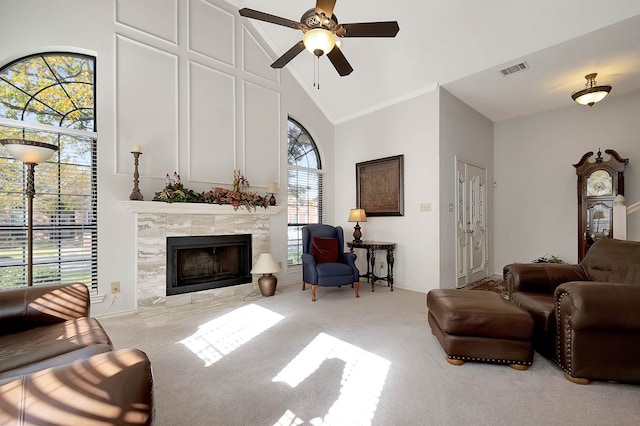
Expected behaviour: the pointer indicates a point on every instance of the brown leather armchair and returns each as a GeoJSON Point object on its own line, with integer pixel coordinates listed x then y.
{"type": "Point", "coordinates": [587, 316]}
{"type": "Point", "coordinates": [57, 364]}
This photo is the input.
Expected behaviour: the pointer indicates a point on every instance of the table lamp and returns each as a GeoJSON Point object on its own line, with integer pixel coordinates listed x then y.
{"type": "Point", "coordinates": [272, 188]}
{"type": "Point", "coordinates": [30, 153]}
{"type": "Point", "coordinates": [357, 215]}
{"type": "Point", "coordinates": [267, 266]}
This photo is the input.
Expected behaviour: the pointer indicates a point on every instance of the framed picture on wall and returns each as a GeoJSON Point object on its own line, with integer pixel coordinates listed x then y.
{"type": "Point", "coordinates": [380, 186]}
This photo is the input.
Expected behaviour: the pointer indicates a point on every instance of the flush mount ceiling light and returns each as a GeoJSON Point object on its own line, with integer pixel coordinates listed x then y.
{"type": "Point", "coordinates": [592, 92]}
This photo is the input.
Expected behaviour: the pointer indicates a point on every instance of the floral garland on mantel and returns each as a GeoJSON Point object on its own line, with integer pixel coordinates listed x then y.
{"type": "Point", "coordinates": [175, 192]}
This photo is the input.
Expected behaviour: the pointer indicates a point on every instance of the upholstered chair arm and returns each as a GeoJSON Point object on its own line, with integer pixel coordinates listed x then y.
{"type": "Point", "coordinates": [113, 388]}
{"type": "Point", "coordinates": [540, 277]}
{"type": "Point", "coordinates": [28, 307]}
{"type": "Point", "coordinates": [598, 331]}
{"type": "Point", "coordinates": [308, 259]}
{"type": "Point", "coordinates": [309, 271]}
{"type": "Point", "coordinates": [592, 305]}
{"type": "Point", "coordinates": [350, 259]}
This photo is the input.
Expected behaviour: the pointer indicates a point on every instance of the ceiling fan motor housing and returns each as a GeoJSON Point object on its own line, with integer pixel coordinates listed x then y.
{"type": "Point", "coordinates": [318, 20]}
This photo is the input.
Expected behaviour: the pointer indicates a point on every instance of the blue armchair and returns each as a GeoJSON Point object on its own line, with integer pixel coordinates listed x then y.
{"type": "Point", "coordinates": [324, 262]}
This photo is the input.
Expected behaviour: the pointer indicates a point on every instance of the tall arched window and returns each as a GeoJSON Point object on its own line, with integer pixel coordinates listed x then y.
{"type": "Point", "coordinates": [304, 203]}
{"type": "Point", "coordinates": [50, 97]}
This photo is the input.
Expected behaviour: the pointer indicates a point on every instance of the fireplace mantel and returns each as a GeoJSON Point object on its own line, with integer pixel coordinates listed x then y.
{"type": "Point", "coordinates": [195, 208]}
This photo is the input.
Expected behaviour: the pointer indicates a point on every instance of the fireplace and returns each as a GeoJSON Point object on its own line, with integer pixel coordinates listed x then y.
{"type": "Point", "coordinates": [205, 262]}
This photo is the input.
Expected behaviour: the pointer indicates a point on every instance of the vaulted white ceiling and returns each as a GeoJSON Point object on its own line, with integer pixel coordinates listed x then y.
{"type": "Point", "coordinates": [461, 45]}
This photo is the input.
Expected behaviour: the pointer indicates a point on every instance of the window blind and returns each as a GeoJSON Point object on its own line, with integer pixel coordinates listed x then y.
{"type": "Point", "coordinates": [64, 216]}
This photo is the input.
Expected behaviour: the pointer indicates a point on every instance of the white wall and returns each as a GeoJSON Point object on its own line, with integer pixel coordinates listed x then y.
{"type": "Point", "coordinates": [409, 128]}
{"type": "Point", "coordinates": [192, 84]}
{"type": "Point", "coordinates": [467, 135]}
{"type": "Point", "coordinates": [535, 210]}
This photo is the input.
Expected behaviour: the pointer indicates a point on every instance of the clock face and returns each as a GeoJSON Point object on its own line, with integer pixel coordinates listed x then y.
{"type": "Point", "coordinates": [599, 183]}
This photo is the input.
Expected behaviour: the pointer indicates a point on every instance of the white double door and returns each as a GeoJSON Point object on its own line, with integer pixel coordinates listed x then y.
{"type": "Point", "coordinates": [471, 223]}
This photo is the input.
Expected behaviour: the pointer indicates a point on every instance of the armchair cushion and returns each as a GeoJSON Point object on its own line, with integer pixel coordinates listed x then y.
{"type": "Point", "coordinates": [325, 250]}
{"type": "Point", "coordinates": [540, 306]}
{"type": "Point", "coordinates": [42, 347]}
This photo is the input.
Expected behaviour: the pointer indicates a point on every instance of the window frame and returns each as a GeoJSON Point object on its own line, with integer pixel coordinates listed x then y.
{"type": "Point", "coordinates": [87, 261]}
{"type": "Point", "coordinates": [319, 172]}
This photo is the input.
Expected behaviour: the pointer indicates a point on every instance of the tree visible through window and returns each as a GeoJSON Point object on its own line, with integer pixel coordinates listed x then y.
{"type": "Point", "coordinates": [304, 204]}
{"type": "Point", "coordinates": [50, 97]}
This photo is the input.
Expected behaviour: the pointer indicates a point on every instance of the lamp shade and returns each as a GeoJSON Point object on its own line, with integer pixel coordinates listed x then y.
{"type": "Point", "coordinates": [319, 41]}
{"type": "Point", "coordinates": [592, 93]}
{"type": "Point", "coordinates": [272, 188]}
{"type": "Point", "coordinates": [29, 151]}
{"type": "Point", "coordinates": [266, 264]}
{"type": "Point", "coordinates": [357, 215]}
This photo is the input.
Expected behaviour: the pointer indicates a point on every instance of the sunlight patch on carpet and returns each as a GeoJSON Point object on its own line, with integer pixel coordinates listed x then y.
{"type": "Point", "coordinates": [363, 378]}
{"type": "Point", "coordinates": [289, 419]}
{"type": "Point", "coordinates": [220, 336]}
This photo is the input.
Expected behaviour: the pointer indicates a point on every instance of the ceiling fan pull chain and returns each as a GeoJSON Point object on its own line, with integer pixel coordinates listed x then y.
{"type": "Point", "coordinates": [316, 72]}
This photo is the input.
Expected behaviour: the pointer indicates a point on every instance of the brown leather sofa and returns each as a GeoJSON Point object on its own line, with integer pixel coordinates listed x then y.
{"type": "Point", "coordinates": [587, 315]}
{"type": "Point", "coordinates": [57, 364]}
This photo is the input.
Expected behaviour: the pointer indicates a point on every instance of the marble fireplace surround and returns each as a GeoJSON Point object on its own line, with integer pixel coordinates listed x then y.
{"type": "Point", "coordinates": [155, 221]}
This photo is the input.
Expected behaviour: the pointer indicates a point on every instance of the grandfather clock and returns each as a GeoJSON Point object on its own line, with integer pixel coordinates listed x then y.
{"type": "Point", "coordinates": [598, 184]}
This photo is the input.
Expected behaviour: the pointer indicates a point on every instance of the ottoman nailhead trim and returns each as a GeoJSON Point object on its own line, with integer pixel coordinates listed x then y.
{"type": "Point", "coordinates": [491, 360]}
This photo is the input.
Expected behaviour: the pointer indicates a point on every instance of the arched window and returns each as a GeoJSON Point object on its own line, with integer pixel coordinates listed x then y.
{"type": "Point", "coordinates": [304, 204]}
{"type": "Point", "coordinates": [50, 97]}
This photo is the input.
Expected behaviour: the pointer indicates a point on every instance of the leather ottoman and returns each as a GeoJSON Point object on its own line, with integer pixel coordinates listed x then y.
{"type": "Point", "coordinates": [476, 325]}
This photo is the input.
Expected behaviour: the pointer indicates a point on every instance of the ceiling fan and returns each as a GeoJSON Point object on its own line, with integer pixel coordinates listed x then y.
{"type": "Point", "coordinates": [321, 31]}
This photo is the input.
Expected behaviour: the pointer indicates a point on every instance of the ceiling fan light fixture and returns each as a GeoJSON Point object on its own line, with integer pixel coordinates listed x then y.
{"type": "Point", "coordinates": [592, 93]}
{"type": "Point", "coordinates": [319, 41]}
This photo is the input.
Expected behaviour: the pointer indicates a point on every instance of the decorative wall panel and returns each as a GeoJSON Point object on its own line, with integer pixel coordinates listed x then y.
{"type": "Point", "coordinates": [262, 134]}
{"type": "Point", "coordinates": [212, 124]}
{"type": "Point", "coordinates": [256, 60]}
{"type": "Point", "coordinates": [211, 31]}
{"type": "Point", "coordinates": [155, 17]}
{"type": "Point", "coordinates": [146, 107]}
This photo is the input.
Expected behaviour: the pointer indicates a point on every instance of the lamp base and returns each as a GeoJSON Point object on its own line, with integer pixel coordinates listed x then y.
{"type": "Point", "coordinates": [272, 200]}
{"type": "Point", "coordinates": [357, 235]}
{"type": "Point", "coordinates": [267, 284]}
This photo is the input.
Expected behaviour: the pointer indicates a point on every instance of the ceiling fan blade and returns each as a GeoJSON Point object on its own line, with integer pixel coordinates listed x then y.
{"type": "Point", "coordinates": [339, 62]}
{"type": "Point", "coordinates": [261, 16]}
{"type": "Point", "coordinates": [369, 29]}
{"type": "Point", "coordinates": [326, 7]}
{"type": "Point", "coordinates": [289, 55]}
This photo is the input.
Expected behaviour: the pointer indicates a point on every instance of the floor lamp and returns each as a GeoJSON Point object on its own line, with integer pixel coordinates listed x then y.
{"type": "Point", "coordinates": [30, 153]}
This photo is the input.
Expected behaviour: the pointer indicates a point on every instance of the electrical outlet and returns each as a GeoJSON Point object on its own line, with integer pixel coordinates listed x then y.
{"type": "Point", "coordinates": [381, 265]}
{"type": "Point", "coordinates": [115, 287]}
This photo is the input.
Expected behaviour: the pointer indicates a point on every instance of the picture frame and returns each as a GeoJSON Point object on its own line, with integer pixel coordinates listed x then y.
{"type": "Point", "coordinates": [380, 186]}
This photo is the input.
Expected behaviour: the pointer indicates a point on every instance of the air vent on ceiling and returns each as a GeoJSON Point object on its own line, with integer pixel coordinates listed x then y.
{"type": "Point", "coordinates": [514, 69]}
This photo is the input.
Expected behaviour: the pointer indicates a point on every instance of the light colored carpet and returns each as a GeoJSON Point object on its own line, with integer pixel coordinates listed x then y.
{"type": "Point", "coordinates": [345, 361]}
